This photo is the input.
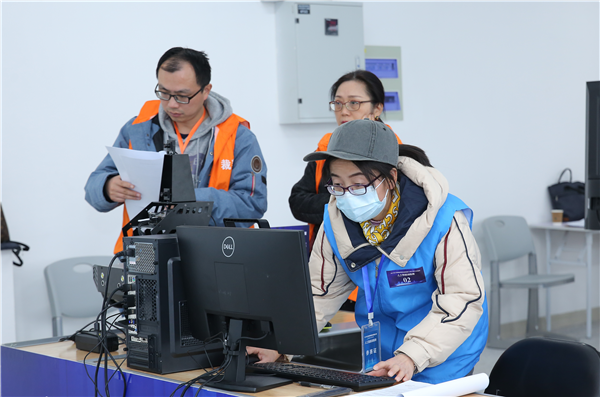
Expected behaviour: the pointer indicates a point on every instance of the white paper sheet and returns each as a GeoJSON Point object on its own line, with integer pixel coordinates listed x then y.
{"type": "Point", "coordinates": [453, 388]}
{"type": "Point", "coordinates": [579, 223]}
{"type": "Point", "coordinates": [143, 170]}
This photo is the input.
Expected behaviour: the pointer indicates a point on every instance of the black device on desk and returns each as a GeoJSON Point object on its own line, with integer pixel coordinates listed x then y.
{"type": "Point", "coordinates": [116, 279]}
{"type": "Point", "coordinates": [158, 334]}
{"type": "Point", "coordinates": [253, 286]}
{"type": "Point", "coordinates": [177, 203]}
{"type": "Point", "coordinates": [299, 372]}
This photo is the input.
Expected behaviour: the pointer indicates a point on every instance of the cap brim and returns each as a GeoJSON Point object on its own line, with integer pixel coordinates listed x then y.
{"type": "Point", "coordinates": [337, 154]}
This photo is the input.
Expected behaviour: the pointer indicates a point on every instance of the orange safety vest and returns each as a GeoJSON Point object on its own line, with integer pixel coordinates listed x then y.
{"type": "Point", "coordinates": [322, 147]}
{"type": "Point", "coordinates": [225, 134]}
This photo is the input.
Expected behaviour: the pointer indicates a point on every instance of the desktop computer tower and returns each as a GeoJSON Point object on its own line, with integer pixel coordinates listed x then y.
{"type": "Point", "coordinates": [158, 333]}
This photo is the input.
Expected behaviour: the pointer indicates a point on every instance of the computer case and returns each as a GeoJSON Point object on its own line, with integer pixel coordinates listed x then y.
{"type": "Point", "coordinates": [158, 337]}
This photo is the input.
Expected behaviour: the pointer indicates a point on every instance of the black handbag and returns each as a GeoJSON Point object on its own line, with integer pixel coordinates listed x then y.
{"type": "Point", "coordinates": [569, 197]}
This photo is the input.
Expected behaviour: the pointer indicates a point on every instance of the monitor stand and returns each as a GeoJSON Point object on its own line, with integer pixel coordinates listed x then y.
{"type": "Point", "coordinates": [235, 378]}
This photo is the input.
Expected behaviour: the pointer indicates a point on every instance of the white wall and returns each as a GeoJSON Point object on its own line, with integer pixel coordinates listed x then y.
{"type": "Point", "coordinates": [494, 92]}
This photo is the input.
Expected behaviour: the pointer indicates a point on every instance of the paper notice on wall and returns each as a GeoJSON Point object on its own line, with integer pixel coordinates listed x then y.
{"type": "Point", "coordinates": [454, 388]}
{"type": "Point", "coordinates": [143, 170]}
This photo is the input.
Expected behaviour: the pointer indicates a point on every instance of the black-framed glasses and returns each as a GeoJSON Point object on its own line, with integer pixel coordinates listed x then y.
{"type": "Point", "coordinates": [357, 189]}
{"type": "Point", "coordinates": [336, 106]}
{"type": "Point", "coordinates": [178, 98]}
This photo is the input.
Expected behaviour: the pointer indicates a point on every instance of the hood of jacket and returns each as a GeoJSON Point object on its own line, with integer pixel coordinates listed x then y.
{"type": "Point", "coordinates": [427, 185]}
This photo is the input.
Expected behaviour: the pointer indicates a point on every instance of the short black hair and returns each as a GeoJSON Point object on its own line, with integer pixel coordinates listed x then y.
{"type": "Point", "coordinates": [374, 85]}
{"type": "Point", "coordinates": [172, 59]}
{"type": "Point", "coordinates": [415, 153]}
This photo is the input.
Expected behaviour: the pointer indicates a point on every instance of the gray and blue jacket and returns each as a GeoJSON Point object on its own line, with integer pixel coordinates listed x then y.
{"type": "Point", "coordinates": [247, 194]}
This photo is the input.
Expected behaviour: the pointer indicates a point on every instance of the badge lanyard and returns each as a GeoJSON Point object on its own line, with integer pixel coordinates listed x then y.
{"type": "Point", "coordinates": [367, 286]}
{"type": "Point", "coordinates": [182, 146]}
{"type": "Point", "coordinates": [371, 332]}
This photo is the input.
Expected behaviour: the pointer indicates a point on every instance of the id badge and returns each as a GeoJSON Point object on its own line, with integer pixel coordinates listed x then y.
{"type": "Point", "coordinates": [371, 346]}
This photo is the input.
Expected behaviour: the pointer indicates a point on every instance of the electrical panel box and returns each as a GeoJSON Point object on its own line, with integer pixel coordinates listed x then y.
{"type": "Point", "coordinates": [385, 63]}
{"type": "Point", "coordinates": [316, 44]}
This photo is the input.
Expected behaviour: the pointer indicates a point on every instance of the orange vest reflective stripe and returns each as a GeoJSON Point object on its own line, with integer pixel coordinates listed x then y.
{"type": "Point", "coordinates": [223, 153]}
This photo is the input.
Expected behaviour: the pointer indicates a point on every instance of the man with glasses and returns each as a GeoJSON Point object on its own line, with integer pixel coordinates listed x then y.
{"type": "Point", "coordinates": [225, 158]}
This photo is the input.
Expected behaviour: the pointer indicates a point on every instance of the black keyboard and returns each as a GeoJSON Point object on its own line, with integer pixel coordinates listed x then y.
{"type": "Point", "coordinates": [353, 380]}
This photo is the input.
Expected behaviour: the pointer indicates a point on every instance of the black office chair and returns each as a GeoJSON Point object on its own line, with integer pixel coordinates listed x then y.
{"type": "Point", "coordinates": [546, 367]}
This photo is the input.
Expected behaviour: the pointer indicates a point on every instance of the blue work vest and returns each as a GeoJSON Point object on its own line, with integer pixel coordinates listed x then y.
{"type": "Point", "coordinates": [399, 309]}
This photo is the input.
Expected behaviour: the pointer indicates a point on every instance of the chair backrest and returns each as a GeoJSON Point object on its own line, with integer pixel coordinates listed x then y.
{"type": "Point", "coordinates": [71, 287]}
{"type": "Point", "coordinates": [507, 238]}
{"type": "Point", "coordinates": [546, 367]}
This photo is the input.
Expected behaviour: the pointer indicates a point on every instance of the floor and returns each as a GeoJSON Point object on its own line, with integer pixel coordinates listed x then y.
{"type": "Point", "coordinates": [489, 356]}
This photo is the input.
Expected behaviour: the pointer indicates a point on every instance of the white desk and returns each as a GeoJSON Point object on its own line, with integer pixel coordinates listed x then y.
{"type": "Point", "coordinates": [584, 259]}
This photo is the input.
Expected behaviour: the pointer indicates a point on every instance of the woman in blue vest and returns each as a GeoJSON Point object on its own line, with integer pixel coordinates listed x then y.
{"type": "Point", "coordinates": [392, 229]}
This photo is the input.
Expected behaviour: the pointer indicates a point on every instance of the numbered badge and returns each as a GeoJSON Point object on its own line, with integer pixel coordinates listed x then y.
{"type": "Point", "coordinates": [403, 277]}
{"type": "Point", "coordinates": [371, 346]}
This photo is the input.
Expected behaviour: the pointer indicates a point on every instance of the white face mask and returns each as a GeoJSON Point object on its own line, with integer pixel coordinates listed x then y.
{"type": "Point", "coordinates": [361, 208]}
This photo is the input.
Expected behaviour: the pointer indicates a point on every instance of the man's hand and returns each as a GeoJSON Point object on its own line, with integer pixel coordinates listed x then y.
{"type": "Point", "coordinates": [119, 190]}
{"type": "Point", "coordinates": [401, 367]}
{"type": "Point", "coordinates": [265, 355]}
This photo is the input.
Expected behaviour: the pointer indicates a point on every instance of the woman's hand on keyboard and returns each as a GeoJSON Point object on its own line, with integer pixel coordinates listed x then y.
{"type": "Point", "coordinates": [401, 367]}
{"type": "Point", "coordinates": [265, 355]}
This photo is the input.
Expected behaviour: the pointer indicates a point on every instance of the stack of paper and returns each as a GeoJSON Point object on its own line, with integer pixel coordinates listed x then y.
{"type": "Point", "coordinates": [453, 388]}
{"type": "Point", "coordinates": [143, 170]}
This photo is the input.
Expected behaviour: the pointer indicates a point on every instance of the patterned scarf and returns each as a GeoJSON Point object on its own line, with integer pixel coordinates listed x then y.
{"type": "Point", "coordinates": [376, 232]}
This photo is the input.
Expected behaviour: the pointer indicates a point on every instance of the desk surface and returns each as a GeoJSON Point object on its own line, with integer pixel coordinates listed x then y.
{"type": "Point", "coordinates": [562, 227]}
{"type": "Point", "coordinates": [67, 351]}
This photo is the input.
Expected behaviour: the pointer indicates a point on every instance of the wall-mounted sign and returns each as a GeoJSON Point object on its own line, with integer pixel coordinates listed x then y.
{"type": "Point", "coordinates": [385, 63]}
{"type": "Point", "coordinates": [331, 27]}
{"type": "Point", "coordinates": [304, 9]}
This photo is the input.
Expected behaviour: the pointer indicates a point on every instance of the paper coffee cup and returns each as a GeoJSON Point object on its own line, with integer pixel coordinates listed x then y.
{"type": "Point", "coordinates": [557, 217]}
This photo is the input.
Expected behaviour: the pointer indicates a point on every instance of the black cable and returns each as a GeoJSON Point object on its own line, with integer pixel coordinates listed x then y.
{"type": "Point", "coordinates": [204, 343]}
{"type": "Point", "coordinates": [223, 365]}
{"type": "Point", "coordinates": [194, 380]}
{"type": "Point", "coordinates": [249, 338]}
{"type": "Point", "coordinates": [91, 350]}
{"type": "Point", "coordinates": [95, 381]}
{"type": "Point", "coordinates": [107, 353]}
{"type": "Point", "coordinates": [118, 327]}
{"type": "Point", "coordinates": [211, 379]}
{"type": "Point", "coordinates": [217, 372]}
{"type": "Point", "coordinates": [117, 315]}
{"type": "Point", "coordinates": [102, 344]}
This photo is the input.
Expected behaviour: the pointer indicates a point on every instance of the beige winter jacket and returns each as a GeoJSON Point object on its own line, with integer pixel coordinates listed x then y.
{"type": "Point", "coordinates": [457, 259]}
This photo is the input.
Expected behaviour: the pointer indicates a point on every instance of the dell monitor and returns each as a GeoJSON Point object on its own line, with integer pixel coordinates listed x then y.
{"type": "Point", "coordinates": [253, 285]}
{"type": "Point", "coordinates": [592, 157]}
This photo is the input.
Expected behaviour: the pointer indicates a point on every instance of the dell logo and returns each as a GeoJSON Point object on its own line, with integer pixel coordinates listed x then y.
{"type": "Point", "coordinates": [228, 246]}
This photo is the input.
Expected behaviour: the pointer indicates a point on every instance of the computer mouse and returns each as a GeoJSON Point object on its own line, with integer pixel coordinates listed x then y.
{"type": "Point", "coordinates": [251, 359]}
